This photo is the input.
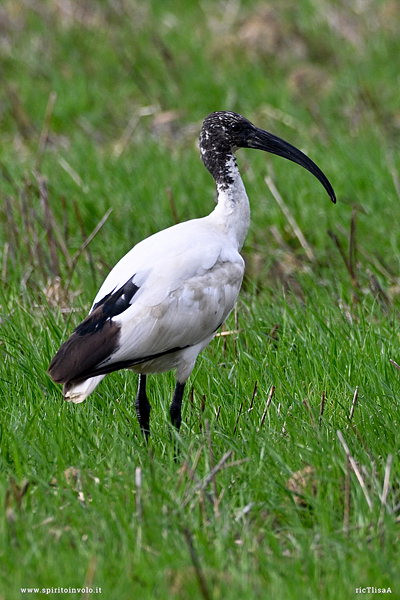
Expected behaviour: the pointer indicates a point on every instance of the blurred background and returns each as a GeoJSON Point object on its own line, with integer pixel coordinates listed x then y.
{"type": "Point", "coordinates": [101, 104]}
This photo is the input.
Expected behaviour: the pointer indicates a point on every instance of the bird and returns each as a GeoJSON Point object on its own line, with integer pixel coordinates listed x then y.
{"type": "Point", "coordinates": [163, 302]}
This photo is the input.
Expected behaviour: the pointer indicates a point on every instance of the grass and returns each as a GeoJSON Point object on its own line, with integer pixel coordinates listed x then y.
{"type": "Point", "coordinates": [83, 501]}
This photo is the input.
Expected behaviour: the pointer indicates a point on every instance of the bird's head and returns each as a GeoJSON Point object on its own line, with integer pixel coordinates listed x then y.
{"type": "Point", "coordinates": [224, 132]}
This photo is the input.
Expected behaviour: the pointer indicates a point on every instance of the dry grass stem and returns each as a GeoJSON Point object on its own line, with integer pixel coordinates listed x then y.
{"type": "Point", "coordinates": [84, 236]}
{"type": "Point", "coordinates": [378, 291]}
{"type": "Point", "coordinates": [19, 491]}
{"type": "Point", "coordinates": [138, 484]}
{"type": "Point", "coordinates": [201, 485]}
{"type": "Point", "coordinates": [353, 249]}
{"type": "Point", "coordinates": [236, 463]}
{"type": "Point", "coordinates": [13, 227]}
{"type": "Point", "coordinates": [342, 253]}
{"type": "Point", "coordinates": [202, 409]}
{"type": "Point", "coordinates": [73, 174]}
{"type": "Point", "coordinates": [285, 118]}
{"type": "Point", "coordinates": [28, 228]}
{"type": "Point", "coordinates": [65, 227]}
{"type": "Point", "coordinates": [61, 242]}
{"type": "Point", "coordinates": [24, 123]}
{"type": "Point", "coordinates": [273, 333]}
{"type": "Point", "coordinates": [44, 136]}
{"type": "Point", "coordinates": [5, 260]}
{"type": "Point", "coordinates": [191, 400]}
{"type": "Point", "coordinates": [270, 396]}
{"type": "Point", "coordinates": [253, 396]}
{"type": "Point", "coordinates": [133, 122]}
{"type": "Point", "coordinates": [385, 490]}
{"type": "Point", "coordinates": [394, 173]}
{"type": "Point", "coordinates": [384, 497]}
{"type": "Point", "coordinates": [172, 204]}
{"type": "Point", "coordinates": [73, 478]}
{"type": "Point", "coordinates": [321, 409]}
{"type": "Point", "coordinates": [191, 471]}
{"type": "Point", "coordinates": [196, 564]}
{"type": "Point", "coordinates": [48, 222]}
{"type": "Point", "coordinates": [355, 468]}
{"type": "Point", "coordinates": [296, 229]}
{"type": "Point", "coordinates": [89, 578]}
{"type": "Point", "coordinates": [85, 244]}
{"type": "Point", "coordinates": [211, 459]}
{"type": "Point", "coordinates": [226, 333]}
{"type": "Point", "coordinates": [353, 406]}
{"type": "Point", "coordinates": [224, 340]}
{"type": "Point", "coordinates": [237, 329]}
{"type": "Point", "coordinates": [377, 264]}
{"type": "Point", "coordinates": [307, 407]}
{"type": "Point", "coordinates": [350, 261]}
{"type": "Point", "coordinates": [238, 417]}
{"type": "Point", "coordinates": [185, 466]}
{"type": "Point", "coordinates": [394, 363]}
{"type": "Point", "coordinates": [347, 499]}
{"type": "Point", "coordinates": [196, 459]}
{"type": "Point", "coordinates": [139, 512]}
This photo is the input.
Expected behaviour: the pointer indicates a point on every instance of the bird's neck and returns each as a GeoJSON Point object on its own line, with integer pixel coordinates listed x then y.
{"type": "Point", "coordinates": [232, 212]}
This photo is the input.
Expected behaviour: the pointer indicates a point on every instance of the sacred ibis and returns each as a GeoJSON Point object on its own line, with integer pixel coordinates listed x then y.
{"type": "Point", "coordinates": [162, 303]}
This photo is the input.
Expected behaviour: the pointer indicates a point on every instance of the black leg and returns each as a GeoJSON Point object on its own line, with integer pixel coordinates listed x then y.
{"type": "Point", "coordinates": [143, 407]}
{"type": "Point", "coordinates": [176, 405]}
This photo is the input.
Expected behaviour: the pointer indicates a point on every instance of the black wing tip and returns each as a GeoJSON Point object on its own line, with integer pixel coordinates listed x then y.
{"type": "Point", "coordinates": [55, 375]}
{"type": "Point", "coordinates": [83, 351]}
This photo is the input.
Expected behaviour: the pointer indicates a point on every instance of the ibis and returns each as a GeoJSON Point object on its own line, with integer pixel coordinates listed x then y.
{"type": "Point", "coordinates": [163, 302]}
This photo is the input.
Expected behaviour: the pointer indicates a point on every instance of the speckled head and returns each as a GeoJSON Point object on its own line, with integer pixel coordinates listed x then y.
{"type": "Point", "coordinates": [224, 132]}
{"type": "Point", "coordinates": [221, 134]}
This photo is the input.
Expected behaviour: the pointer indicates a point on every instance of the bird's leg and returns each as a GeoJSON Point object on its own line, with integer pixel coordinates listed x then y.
{"type": "Point", "coordinates": [143, 407]}
{"type": "Point", "coordinates": [175, 412]}
{"type": "Point", "coordinates": [176, 405]}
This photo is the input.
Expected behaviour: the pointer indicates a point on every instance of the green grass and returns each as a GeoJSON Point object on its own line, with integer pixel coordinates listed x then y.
{"type": "Point", "coordinates": [83, 500]}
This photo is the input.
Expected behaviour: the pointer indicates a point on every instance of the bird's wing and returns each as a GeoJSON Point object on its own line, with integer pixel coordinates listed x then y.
{"type": "Point", "coordinates": [187, 315]}
{"type": "Point", "coordinates": [172, 254]}
{"type": "Point", "coordinates": [171, 291]}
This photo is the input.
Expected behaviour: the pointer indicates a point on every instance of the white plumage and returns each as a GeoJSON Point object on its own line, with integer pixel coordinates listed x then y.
{"type": "Point", "coordinates": [162, 303]}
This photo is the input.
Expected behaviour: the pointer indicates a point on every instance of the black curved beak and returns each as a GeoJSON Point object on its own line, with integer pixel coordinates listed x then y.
{"type": "Point", "coordinates": [262, 140]}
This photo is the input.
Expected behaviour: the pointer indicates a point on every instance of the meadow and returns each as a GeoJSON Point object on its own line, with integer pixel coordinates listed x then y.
{"type": "Point", "coordinates": [287, 484]}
